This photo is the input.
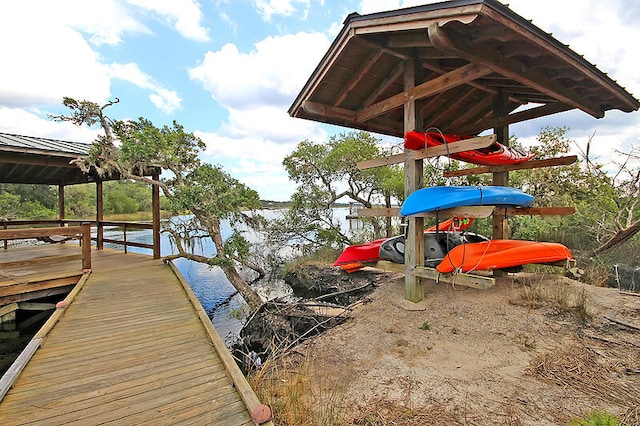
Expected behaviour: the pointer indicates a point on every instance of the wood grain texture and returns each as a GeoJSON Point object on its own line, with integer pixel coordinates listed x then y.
{"type": "Point", "coordinates": [130, 348]}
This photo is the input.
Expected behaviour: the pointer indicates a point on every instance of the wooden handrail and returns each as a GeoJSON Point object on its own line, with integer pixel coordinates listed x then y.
{"type": "Point", "coordinates": [83, 232]}
{"type": "Point", "coordinates": [63, 225]}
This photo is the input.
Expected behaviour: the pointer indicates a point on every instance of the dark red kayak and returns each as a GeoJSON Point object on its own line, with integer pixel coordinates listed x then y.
{"type": "Point", "coordinates": [494, 155]}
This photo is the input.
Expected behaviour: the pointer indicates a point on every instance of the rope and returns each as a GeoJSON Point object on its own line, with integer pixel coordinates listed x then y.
{"type": "Point", "coordinates": [444, 141]}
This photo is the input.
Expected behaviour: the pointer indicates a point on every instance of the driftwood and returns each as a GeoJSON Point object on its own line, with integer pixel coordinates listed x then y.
{"type": "Point", "coordinates": [619, 238]}
{"type": "Point", "coordinates": [341, 293]}
{"type": "Point", "coordinates": [624, 324]}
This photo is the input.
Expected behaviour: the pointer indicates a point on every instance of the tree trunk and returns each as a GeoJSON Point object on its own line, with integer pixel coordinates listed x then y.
{"type": "Point", "coordinates": [619, 238]}
{"type": "Point", "coordinates": [250, 295]}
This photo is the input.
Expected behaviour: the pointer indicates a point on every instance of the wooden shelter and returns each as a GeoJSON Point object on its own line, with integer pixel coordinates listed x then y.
{"type": "Point", "coordinates": [462, 66]}
{"type": "Point", "coordinates": [43, 161]}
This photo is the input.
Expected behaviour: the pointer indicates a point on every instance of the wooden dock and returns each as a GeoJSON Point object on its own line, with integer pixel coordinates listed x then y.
{"type": "Point", "coordinates": [133, 346]}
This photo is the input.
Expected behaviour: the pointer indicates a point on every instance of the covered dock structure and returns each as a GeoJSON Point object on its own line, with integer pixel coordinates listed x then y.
{"type": "Point", "coordinates": [127, 341]}
{"type": "Point", "coordinates": [461, 66]}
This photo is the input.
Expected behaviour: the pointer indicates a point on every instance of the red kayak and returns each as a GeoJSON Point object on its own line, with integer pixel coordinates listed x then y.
{"type": "Point", "coordinates": [352, 258]}
{"type": "Point", "coordinates": [502, 254]}
{"type": "Point", "coordinates": [494, 155]}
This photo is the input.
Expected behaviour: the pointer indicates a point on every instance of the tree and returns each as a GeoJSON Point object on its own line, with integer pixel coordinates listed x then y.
{"type": "Point", "coordinates": [207, 191]}
{"type": "Point", "coordinates": [327, 174]}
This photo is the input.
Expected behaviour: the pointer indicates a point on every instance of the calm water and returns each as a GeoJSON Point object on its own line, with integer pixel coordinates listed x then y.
{"type": "Point", "coordinates": [210, 285]}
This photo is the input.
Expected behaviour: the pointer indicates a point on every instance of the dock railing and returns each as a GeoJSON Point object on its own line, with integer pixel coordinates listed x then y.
{"type": "Point", "coordinates": [82, 232]}
{"type": "Point", "coordinates": [99, 234]}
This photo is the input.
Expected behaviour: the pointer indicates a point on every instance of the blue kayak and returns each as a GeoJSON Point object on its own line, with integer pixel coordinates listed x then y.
{"type": "Point", "coordinates": [445, 197]}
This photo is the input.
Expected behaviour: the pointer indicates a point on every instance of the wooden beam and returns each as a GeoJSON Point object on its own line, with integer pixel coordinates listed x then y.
{"type": "Point", "coordinates": [420, 39]}
{"type": "Point", "coordinates": [41, 261]}
{"type": "Point", "coordinates": [432, 87]}
{"type": "Point", "coordinates": [7, 309]}
{"type": "Point", "coordinates": [447, 41]}
{"type": "Point", "coordinates": [316, 108]}
{"type": "Point", "coordinates": [516, 117]}
{"type": "Point", "coordinates": [12, 374]}
{"type": "Point", "coordinates": [420, 154]}
{"type": "Point", "coordinates": [377, 212]}
{"type": "Point", "coordinates": [60, 202]}
{"type": "Point", "coordinates": [538, 211]}
{"type": "Point", "coordinates": [531, 164]}
{"type": "Point", "coordinates": [36, 306]}
{"type": "Point", "coordinates": [248, 396]}
{"type": "Point", "coordinates": [393, 76]}
{"type": "Point", "coordinates": [501, 178]}
{"type": "Point", "coordinates": [365, 66]}
{"type": "Point", "coordinates": [413, 175]}
{"type": "Point", "coordinates": [14, 234]}
{"type": "Point", "coordinates": [99, 215]}
{"type": "Point", "coordinates": [466, 211]}
{"type": "Point", "coordinates": [466, 280]}
{"type": "Point", "coordinates": [155, 206]}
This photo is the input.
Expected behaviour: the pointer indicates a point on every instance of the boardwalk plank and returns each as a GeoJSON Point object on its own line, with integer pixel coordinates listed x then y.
{"type": "Point", "coordinates": [130, 349]}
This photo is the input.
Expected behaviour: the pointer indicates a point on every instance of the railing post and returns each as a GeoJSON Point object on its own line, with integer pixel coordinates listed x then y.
{"type": "Point", "coordinates": [124, 237]}
{"type": "Point", "coordinates": [86, 245]}
{"type": "Point", "coordinates": [99, 216]}
{"type": "Point", "coordinates": [155, 207]}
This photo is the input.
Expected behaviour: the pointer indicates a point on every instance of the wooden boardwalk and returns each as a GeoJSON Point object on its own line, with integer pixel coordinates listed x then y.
{"type": "Point", "coordinates": [133, 347]}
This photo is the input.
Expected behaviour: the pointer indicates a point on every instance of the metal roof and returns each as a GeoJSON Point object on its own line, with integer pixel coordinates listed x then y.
{"type": "Point", "coordinates": [36, 160]}
{"type": "Point", "coordinates": [35, 144]}
{"type": "Point", "coordinates": [469, 56]}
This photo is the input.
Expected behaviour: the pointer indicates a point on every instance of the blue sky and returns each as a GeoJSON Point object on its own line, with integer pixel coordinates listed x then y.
{"type": "Point", "coordinates": [228, 70]}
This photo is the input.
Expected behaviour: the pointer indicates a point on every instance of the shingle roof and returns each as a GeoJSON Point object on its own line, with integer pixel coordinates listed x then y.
{"type": "Point", "coordinates": [469, 56]}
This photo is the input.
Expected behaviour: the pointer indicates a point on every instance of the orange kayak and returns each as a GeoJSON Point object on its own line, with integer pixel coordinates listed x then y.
{"type": "Point", "coordinates": [502, 254]}
{"type": "Point", "coordinates": [455, 224]}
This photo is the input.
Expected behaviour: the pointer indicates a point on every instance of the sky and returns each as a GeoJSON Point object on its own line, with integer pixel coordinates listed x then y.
{"type": "Point", "coordinates": [228, 70]}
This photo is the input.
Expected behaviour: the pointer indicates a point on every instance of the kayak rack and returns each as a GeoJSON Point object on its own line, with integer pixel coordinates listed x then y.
{"type": "Point", "coordinates": [464, 279]}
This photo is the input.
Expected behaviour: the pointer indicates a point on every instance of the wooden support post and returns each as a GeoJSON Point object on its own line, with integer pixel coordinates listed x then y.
{"type": "Point", "coordinates": [61, 204]}
{"type": "Point", "coordinates": [86, 245]}
{"type": "Point", "coordinates": [500, 223]}
{"type": "Point", "coordinates": [413, 171]}
{"type": "Point", "coordinates": [99, 216]}
{"type": "Point", "coordinates": [155, 203]}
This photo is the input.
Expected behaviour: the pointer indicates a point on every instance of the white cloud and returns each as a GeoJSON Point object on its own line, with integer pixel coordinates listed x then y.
{"type": "Point", "coordinates": [253, 144]}
{"type": "Point", "coordinates": [271, 74]}
{"type": "Point", "coordinates": [62, 63]}
{"type": "Point", "coordinates": [268, 8]}
{"type": "Point", "coordinates": [40, 70]}
{"type": "Point", "coordinates": [594, 29]}
{"type": "Point", "coordinates": [184, 15]}
{"type": "Point", "coordinates": [31, 123]}
{"type": "Point", "coordinates": [373, 6]}
{"type": "Point", "coordinates": [164, 99]}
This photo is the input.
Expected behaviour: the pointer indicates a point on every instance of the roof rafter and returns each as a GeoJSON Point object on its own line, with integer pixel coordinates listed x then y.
{"type": "Point", "coordinates": [446, 40]}
{"type": "Point", "coordinates": [439, 84]}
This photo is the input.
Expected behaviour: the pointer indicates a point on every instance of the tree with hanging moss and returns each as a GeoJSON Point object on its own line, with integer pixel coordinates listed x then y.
{"type": "Point", "coordinates": [326, 174]}
{"type": "Point", "coordinates": [210, 194]}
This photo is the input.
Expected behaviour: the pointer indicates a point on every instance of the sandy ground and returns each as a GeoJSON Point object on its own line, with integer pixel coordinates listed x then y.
{"type": "Point", "coordinates": [532, 350]}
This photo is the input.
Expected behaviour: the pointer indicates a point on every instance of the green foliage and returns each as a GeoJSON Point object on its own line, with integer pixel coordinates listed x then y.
{"type": "Point", "coordinates": [9, 205]}
{"type": "Point", "coordinates": [325, 174]}
{"type": "Point", "coordinates": [20, 201]}
{"type": "Point", "coordinates": [597, 418]}
{"type": "Point", "coordinates": [206, 191]}
{"type": "Point", "coordinates": [425, 326]}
